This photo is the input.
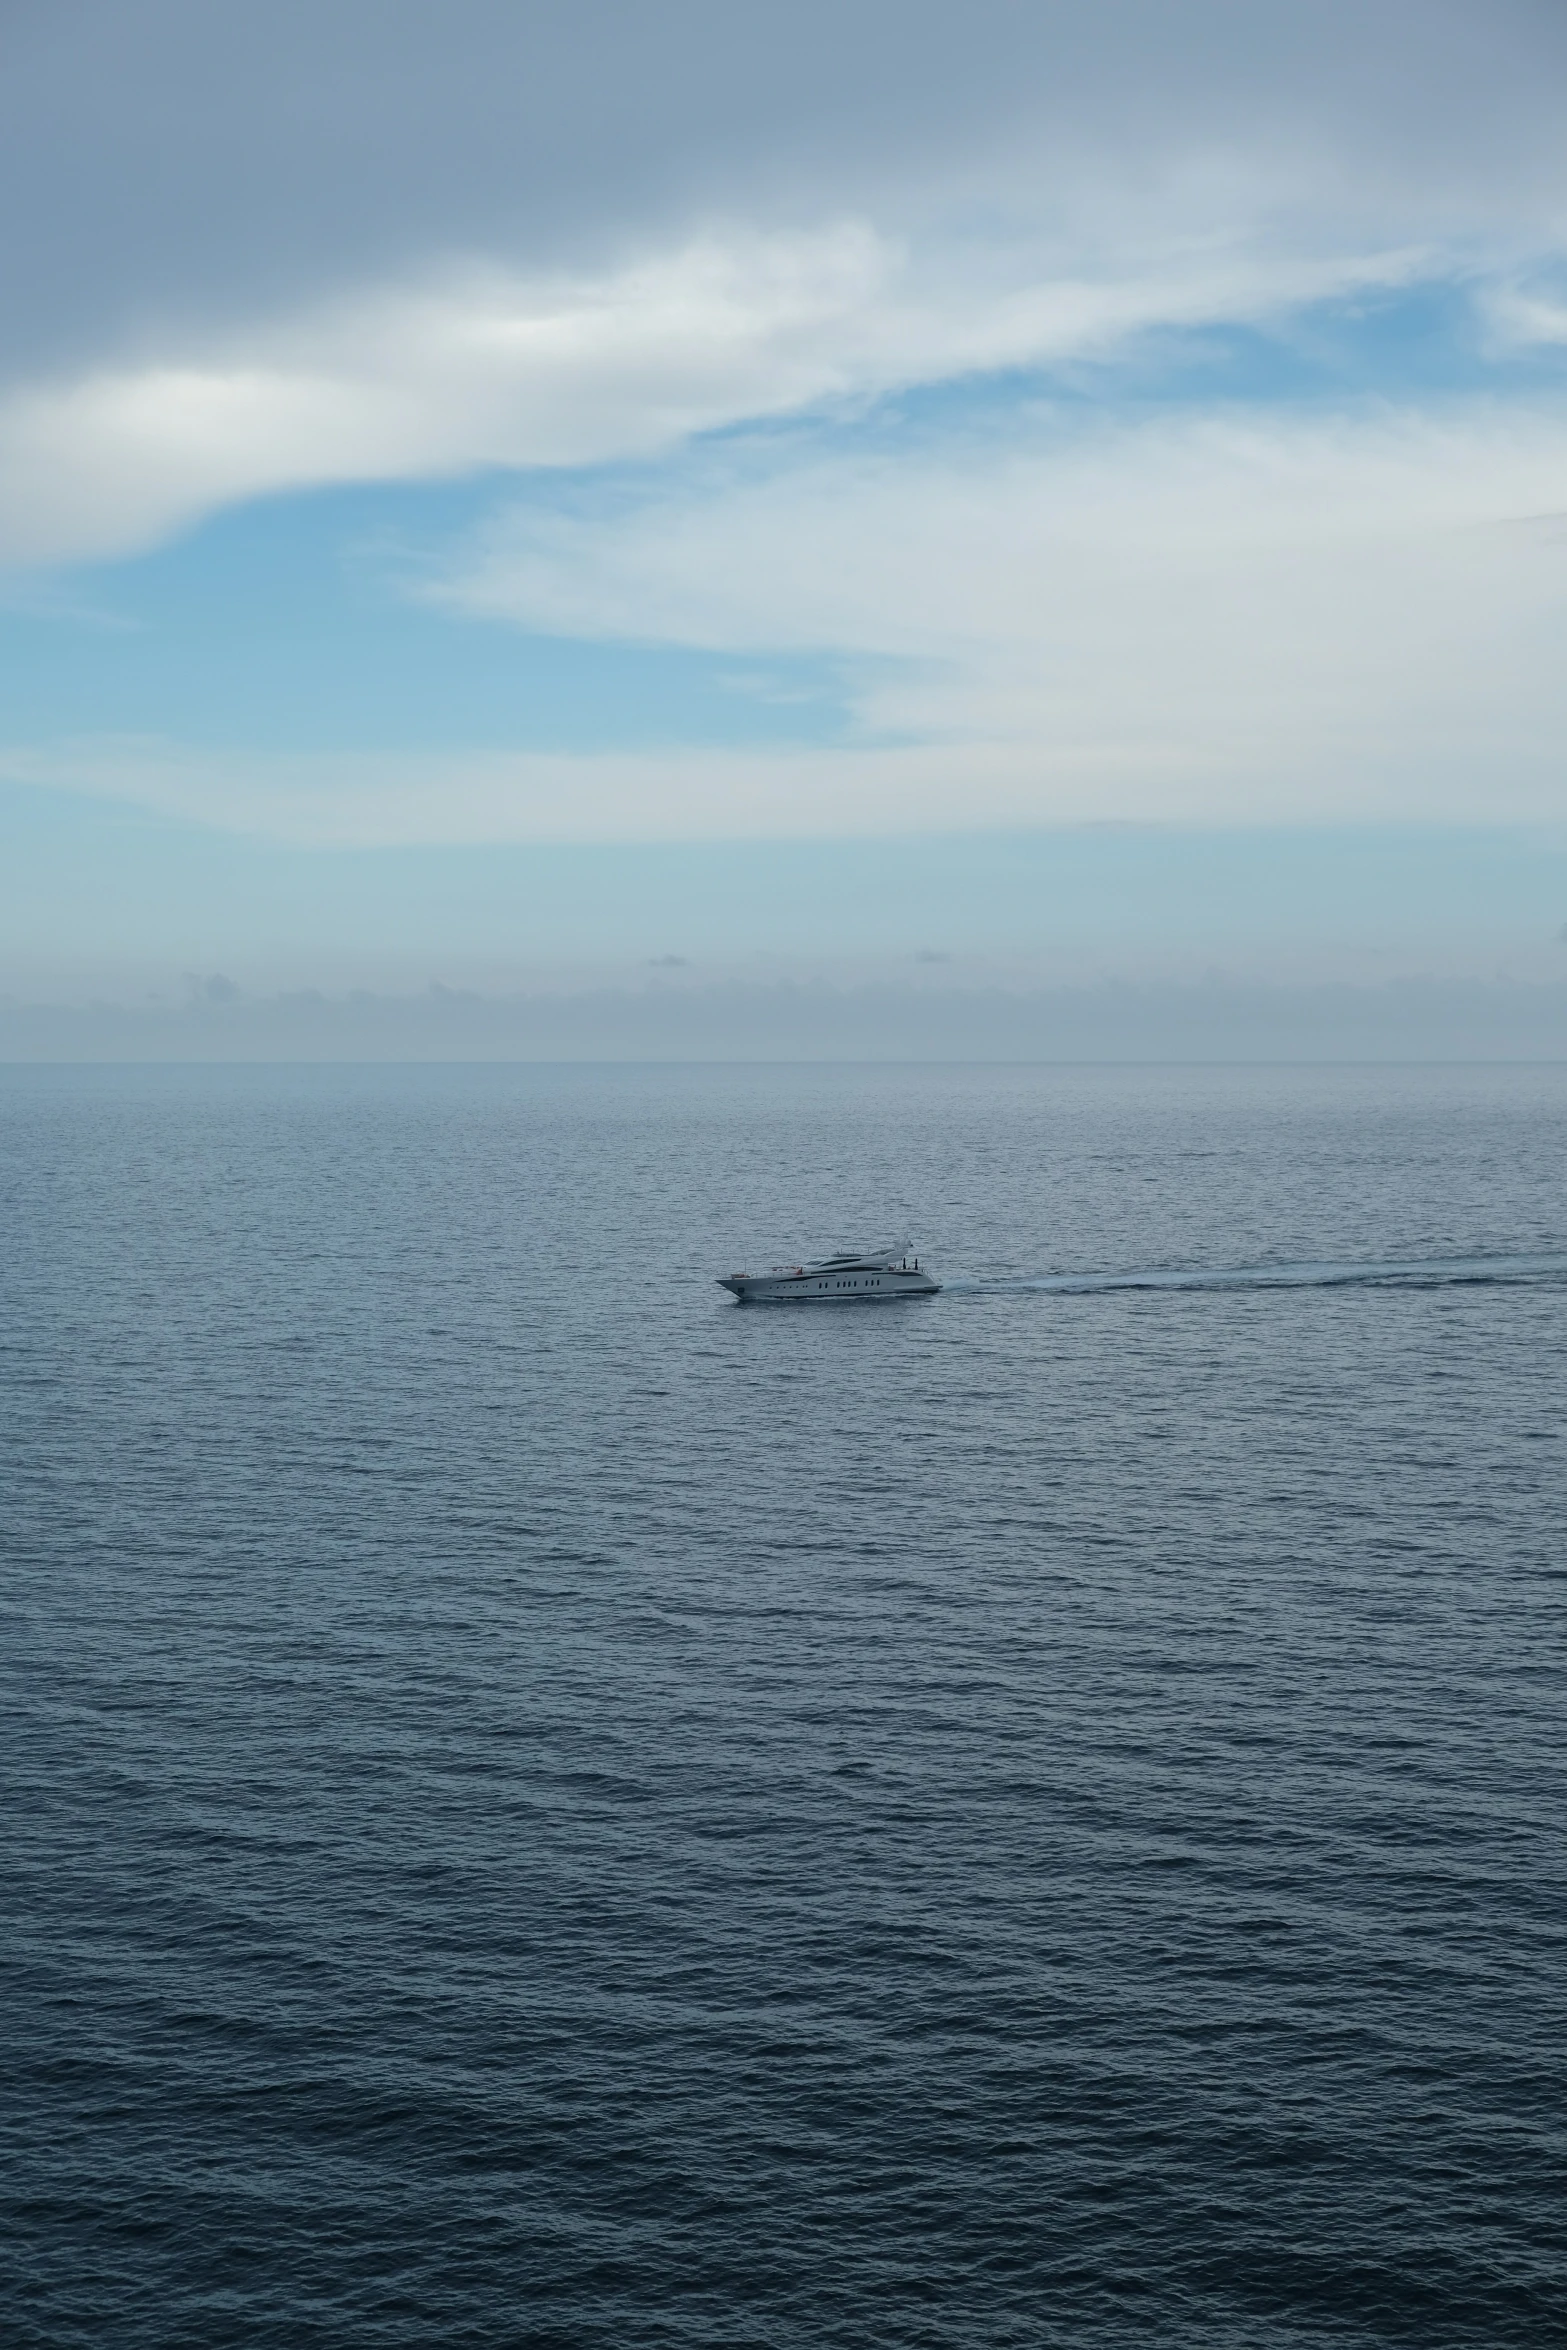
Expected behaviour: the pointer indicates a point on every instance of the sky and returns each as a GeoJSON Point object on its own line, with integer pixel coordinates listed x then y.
{"type": "Point", "coordinates": [531, 501]}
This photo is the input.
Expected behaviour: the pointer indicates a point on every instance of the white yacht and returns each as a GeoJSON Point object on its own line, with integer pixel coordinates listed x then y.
{"type": "Point", "coordinates": [862, 1279]}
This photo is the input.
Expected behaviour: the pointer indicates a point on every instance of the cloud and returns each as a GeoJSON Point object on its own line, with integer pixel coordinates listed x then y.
{"type": "Point", "coordinates": [483, 369]}
{"type": "Point", "coordinates": [1220, 618]}
{"type": "Point", "coordinates": [1524, 316]}
{"type": "Point", "coordinates": [1220, 1019]}
{"type": "Point", "coordinates": [214, 988]}
{"type": "Point", "coordinates": [358, 242]}
{"type": "Point", "coordinates": [351, 242]}
{"type": "Point", "coordinates": [178, 164]}
{"type": "Point", "coordinates": [1191, 612]}
{"type": "Point", "coordinates": [356, 800]}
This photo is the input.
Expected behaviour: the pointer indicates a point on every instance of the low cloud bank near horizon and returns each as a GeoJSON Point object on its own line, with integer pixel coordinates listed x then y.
{"type": "Point", "coordinates": [1399, 1020]}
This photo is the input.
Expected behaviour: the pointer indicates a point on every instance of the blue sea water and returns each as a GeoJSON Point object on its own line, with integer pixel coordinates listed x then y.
{"type": "Point", "coordinates": [543, 1807]}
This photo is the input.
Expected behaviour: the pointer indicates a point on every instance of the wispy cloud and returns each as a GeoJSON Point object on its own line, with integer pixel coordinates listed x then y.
{"type": "Point", "coordinates": [482, 368]}
{"type": "Point", "coordinates": [658, 238]}
{"type": "Point", "coordinates": [1202, 613]}
{"type": "Point", "coordinates": [333, 247]}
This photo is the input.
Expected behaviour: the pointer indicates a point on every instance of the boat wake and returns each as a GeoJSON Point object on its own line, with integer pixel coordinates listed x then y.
{"type": "Point", "coordinates": [1391, 1273]}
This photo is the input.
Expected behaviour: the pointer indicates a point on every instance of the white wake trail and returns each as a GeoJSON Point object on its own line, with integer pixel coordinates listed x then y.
{"type": "Point", "coordinates": [1386, 1273]}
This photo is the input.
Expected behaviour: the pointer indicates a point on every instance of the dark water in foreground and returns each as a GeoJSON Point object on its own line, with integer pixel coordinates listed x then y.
{"type": "Point", "coordinates": [545, 1808]}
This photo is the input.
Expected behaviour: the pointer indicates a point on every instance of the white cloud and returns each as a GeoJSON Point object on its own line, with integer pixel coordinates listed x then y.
{"type": "Point", "coordinates": [334, 800]}
{"type": "Point", "coordinates": [1204, 618]}
{"type": "Point", "coordinates": [1204, 615]}
{"type": "Point", "coordinates": [482, 368]}
{"type": "Point", "coordinates": [1213, 621]}
{"type": "Point", "coordinates": [1523, 316]}
{"type": "Point", "coordinates": [239, 227]}
{"type": "Point", "coordinates": [1198, 617]}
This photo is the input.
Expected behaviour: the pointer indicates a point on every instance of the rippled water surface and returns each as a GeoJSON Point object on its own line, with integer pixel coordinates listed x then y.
{"type": "Point", "coordinates": [544, 1807]}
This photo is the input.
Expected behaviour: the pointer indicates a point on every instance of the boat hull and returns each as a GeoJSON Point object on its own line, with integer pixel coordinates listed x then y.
{"type": "Point", "coordinates": [874, 1287]}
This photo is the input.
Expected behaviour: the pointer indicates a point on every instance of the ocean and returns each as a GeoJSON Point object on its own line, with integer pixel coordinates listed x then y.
{"type": "Point", "coordinates": [544, 1807]}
